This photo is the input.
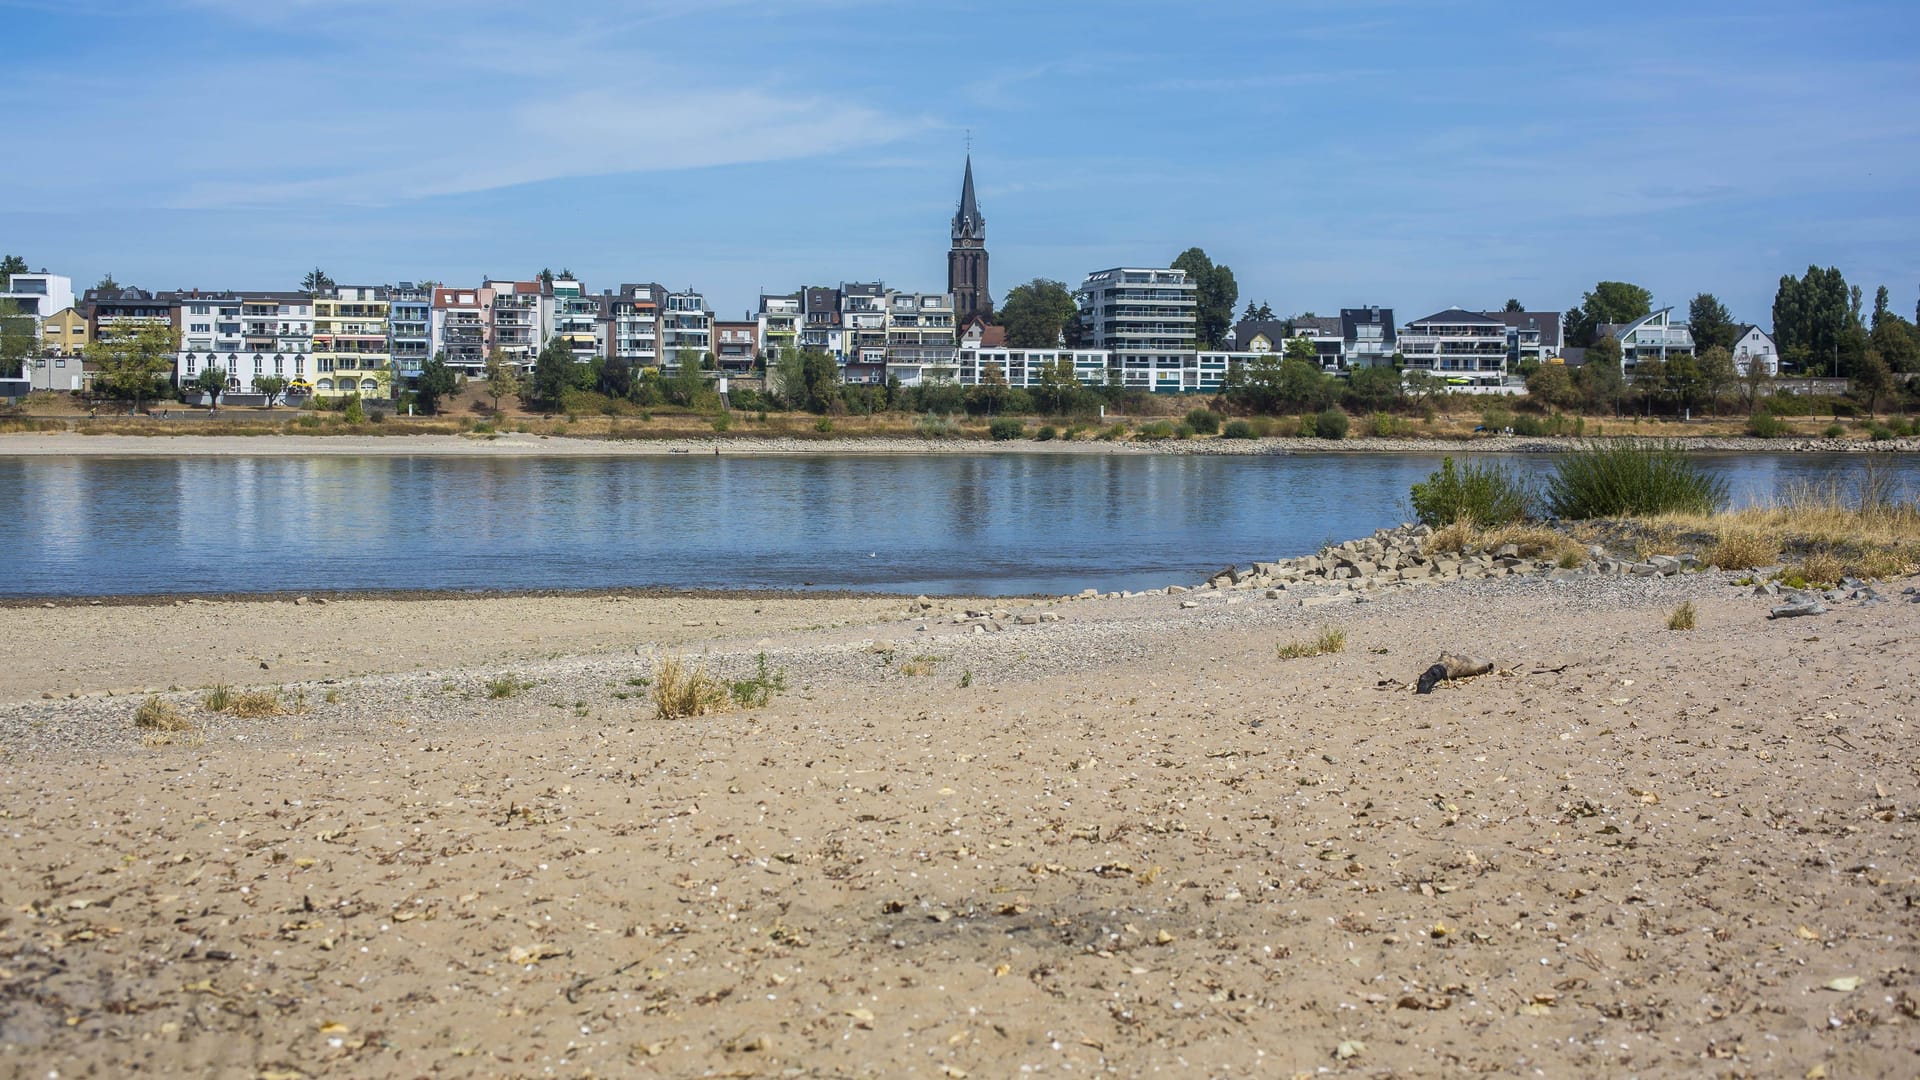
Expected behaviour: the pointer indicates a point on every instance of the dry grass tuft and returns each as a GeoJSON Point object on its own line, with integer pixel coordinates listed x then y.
{"type": "Point", "coordinates": [218, 698]}
{"type": "Point", "coordinates": [681, 689]}
{"type": "Point", "coordinates": [158, 714]}
{"type": "Point", "coordinates": [1331, 640]}
{"type": "Point", "coordinates": [1534, 541]}
{"type": "Point", "coordinates": [1742, 548]}
{"type": "Point", "coordinates": [1819, 568]}
{"type": "Point", "coordinates": [1683, 617]}
{"type": "Point", "coordinates": [255, 705]}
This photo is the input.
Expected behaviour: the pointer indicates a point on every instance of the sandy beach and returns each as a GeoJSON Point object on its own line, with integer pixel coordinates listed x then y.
{"type": "Point", "coordinates": [1129, 841]}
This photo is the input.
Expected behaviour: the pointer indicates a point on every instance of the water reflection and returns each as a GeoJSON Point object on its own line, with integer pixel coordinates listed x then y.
{"type": "Point", "coordinates": [972, 524]}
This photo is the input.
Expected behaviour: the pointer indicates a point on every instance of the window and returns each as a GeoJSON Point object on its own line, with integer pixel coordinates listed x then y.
{"type": "Point", "coordinates": [199, 309]}
{"type": "Point", "coordinates": [199, 327]}
{"type": "Point", "coordinates": [59, 362]}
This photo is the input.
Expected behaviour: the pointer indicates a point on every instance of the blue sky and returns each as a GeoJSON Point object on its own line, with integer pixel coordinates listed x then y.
{"type": "Point", "coordinates": [1335, 153]}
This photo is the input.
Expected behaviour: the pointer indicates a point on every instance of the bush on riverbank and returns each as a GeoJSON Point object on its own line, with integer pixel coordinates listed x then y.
{"type": "Point", "coordinates": [1003, 428]}
{"type": "Point", "coordinates": [1481, 494]}
{"type": "Point", "coordinates": [1765, 425]}
{"type": "Point", "coordinates": [1631, 478]}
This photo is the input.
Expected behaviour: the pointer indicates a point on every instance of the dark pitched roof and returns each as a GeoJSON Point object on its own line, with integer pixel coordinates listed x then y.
{"type": "Point", "coordinates": [1352, 318]}
{"type": "Point", "coordinates": [1456, 316]}
{"type": "Point", "coordinates": [1547, 322]}
{"type": "Point", "coordinates": [1247, 329]}
{"type": "Point", "coordinates": [820, 298]}
{"type": "Point", "coordinates": [967, 221]}
{"type": "Point", "coordinates": [1318, 325]}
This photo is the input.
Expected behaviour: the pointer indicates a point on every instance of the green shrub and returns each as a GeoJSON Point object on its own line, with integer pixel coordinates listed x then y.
{"type": "Point", "coordinates": [1046, 433]}
{"type": "Point", "coordinates": [1331, 424]}
{"type": "Point", "coordinates": [1112, 432]}
{"type": "Point", "coordinates": [1529, 425]}
{"type": "Point", "coordinates": [1385, 425]}
{"type": "Point", "coordinates": [1765, 425]}
{"type": "Point", "coordinates": [936, 427]}
{"type": "Point", "coordinates": [1879, 432]}
{"type": "Point", "coordinates": [754, 693]}
{"type": "Point", "coordinates": [1183, 431]}
{"type": "Point", "coordinates": [1834, 431]}
{"type": "Point", "coordinates": [1308, 426]}
{"type": "Point", "coordinates": [1484, 495]}
{"type": "Point", "coordinates": [824, 425]}
{"type": "Point", "coordinates": [722, 421]}
{"type": "Point", "coordinates": [1204, 421]}
{"type": "Point", "coordinates": [355, 413]}
{"type": "Point", "coordinates": [1157, 430]}
{"type": "Point", "coordinates": [1237, 429]}
{"type": "Point", "coordinates": [1630, 478]}
{"type": "Point", "coordinates": [1003, 428]}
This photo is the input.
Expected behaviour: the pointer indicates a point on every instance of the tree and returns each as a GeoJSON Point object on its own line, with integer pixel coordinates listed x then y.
{"type": "Point", "coordinates": [135, 363]}
{"type": "Point", "coordinates": [1372, 389]}
{"type": "Point", "coordinates": [1261, 313]}
{"type": "Point", "coordinates": [1513, 306]}
{"type": "Point", "coordinates": [1302, 348]}
{"type": "Point", "coordinates": [212, 381]}
{"type": "Point", "coordinates": [1058, 386]}
{"type": "Point", "coordinates": [270, 385]}
{"type": "Point", "coordinates": [1879, 307]}
{"type": "Point", "coordinates": [1711, 323]}
{"type": "Point", "coordinates": [14, 264]}
{"type": "Point", "coordinates": [1872, 380]}
{"type": "Point", "coordinates": [820, 374]}
{"type": "Point", "coordinates": [994, 388]}
{"type": "Point", "coordinates": [16, 338]}
{"type": "Point", "coordinates": [1894, 339]}
{"type": "Point", "coordinates": [688, 382]}
{"type": "Point", "coordinates": [1810, 315]}
{"type": "Point", "coordinates": [1552, 385]}
{"type": "Point", "coordinates": [106, 283]}
{"type": "Point", "coordinates": [1215, 293]}
{"type": "Point", "coordinates": [1650, 378]}
{"type": "Point", "coordinates": [503, 379]}
{"type": "Point", "coordinates": [436, 382]}
{"type": "Point", "coordinates": [316, 282]}
{"type": "Point", "coordinates": [1607, 302]}
{"type": "Point", "coordinates": [552, 374]}
{"type": "Point", "coordinates": [616, 377]}
{"type": "Point", "coordinates": [789, 376]}
{"type": "Point", "coordinates": [1601, 376]}
{"type": "Point", "coordinates": [1717, 374]}
{"type": "Point", "coordinates": [1754, 383]}
{"type": "Point", "coordinates": [1036, 314]}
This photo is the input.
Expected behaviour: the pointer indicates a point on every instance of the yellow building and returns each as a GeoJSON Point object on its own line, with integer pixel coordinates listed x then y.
{"type": "Point", "coordinates": [350, 350]}
{"type": "Point", "coordinates": [64, 333]}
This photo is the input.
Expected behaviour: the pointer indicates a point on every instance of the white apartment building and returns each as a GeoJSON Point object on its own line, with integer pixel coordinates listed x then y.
{"type": "Point", "coordinates": [863, 326]}
{"type": "Point", "coordinates": [686, 323]}
{"type": "Point", "coordinates": [920, 336]}
{"type": "Point", "coordinates": [779, 318]}
{"type": "Point", "coordinates": [409, 327]}
{"type": "Point", "coordinates": [636, 325]}
{"type": "Point", "coordinates": [1456, 343]}
{"type": "Point", "coordinates": [1655, 335]}
{"type": "Point", "coordinates": [39, 295]}
{"type": "Point", "coordinates": [1146, 319]}
{"type": "Point", "coordinates": [249, 335]}
{"type": "Point", "coordinates": [458, 331]}
{"type": "Point", "coordinates": [520, 322]}
{"type": "Point", "coordinates": [574, 315]}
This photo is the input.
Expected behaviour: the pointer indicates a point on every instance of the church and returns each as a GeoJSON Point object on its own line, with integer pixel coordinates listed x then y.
{"type": "Point", "coordinates": [967, 258]}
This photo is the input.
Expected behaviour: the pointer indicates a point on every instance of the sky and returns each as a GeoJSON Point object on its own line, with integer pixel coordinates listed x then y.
{"type": "Point", "coordinates": [1334, 153]}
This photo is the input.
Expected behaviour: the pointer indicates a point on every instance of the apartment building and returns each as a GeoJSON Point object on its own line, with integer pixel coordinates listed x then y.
{"type": "Point", "coordinates": [1531, 335]}
{"type": "Point", "coordinates": [38, 296]}
{"type": "Point", "coordinates": [736, 345]}
{"type": "Point", "coordinates": [686, 324]}
{"type": "Point", "coordinates": [863, 324]}
{"type": "Point", "coordinates": [636, 325]}
{"type": "Point", "coordinates": [460, 330]}
{"type": "Point", "coordinates": [574, 316]}
{"type": "Point", "coordinates": [249, 335]}
{"type": "Point", "coordinates": [350, 350]}
{"type": "Point", "coordinates": [1145, 318]}
{"type": "Point", "coordinates": [64, 333]}
{"type": "Point", "coordinates": [1456, 343]}
{"type": "Point", "coordinates": [120, 309]}
{"type": "Point", "coordinates": [779, 323]}
{"type": "Point", "coordinates": [820, 327]}
{"type": "Point", "coordinates": [1022, 368]}
{"type": "Point", "coordinates": [921, 337]}
{"type": "Point", "coordinates": [1652, 336]}
{"type": "Point", "coordinates": [1367, 337]}
{"type": "Point", "coordinates": [410, 327]}
{"type": "Point", "coordinates": [519, 322]}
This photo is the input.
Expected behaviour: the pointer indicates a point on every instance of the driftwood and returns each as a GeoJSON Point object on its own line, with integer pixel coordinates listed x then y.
{"type": "Point", "coordinates": [1452, 666]}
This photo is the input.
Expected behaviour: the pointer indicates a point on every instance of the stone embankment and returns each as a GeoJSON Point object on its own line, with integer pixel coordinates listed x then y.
{"type": "Point", "coordinates": [1510, 444]}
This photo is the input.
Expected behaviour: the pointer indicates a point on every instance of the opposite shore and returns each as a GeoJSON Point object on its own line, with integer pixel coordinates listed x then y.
{"type": "Point", "coordinates": [186, 443]}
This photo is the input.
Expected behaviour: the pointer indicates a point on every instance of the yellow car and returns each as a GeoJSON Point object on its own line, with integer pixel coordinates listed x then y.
{"type": "Point", "coordinates": [299, 386]}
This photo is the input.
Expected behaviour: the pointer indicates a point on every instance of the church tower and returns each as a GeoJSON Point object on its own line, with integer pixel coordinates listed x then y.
{"type": "Point", "coordinates": [967, 259]}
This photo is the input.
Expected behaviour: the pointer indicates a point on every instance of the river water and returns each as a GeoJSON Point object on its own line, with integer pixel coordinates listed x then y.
{"type": "Point", "coordinates": [993, 524]}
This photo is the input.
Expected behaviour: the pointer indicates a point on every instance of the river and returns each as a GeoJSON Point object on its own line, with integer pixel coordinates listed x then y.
{"type": "Point", "coordinates": [1000, 524]}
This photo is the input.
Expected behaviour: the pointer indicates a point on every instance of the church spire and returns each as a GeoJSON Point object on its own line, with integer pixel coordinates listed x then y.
{"type": "Point", "coordinates": [967, 222]}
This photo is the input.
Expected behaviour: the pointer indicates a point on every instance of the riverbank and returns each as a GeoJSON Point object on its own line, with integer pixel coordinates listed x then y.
{"type": "Point", "coordinates": [1128, 838]}
{"type": "Point", "coordinates": [184, 443]}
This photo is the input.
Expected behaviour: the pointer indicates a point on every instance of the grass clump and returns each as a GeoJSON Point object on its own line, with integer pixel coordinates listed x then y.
{"type": "Point", "coordinates": [1765, 425]}
{"type": "Point", "coordinates": [1683, 617]}
{"type": "Point", "coordinates": [506, 686]}
{"type": "Point", "coordinates": [1532, 542]}
{"type": "Point", "coordinates": [1332, 639]}
{"type": "Point", "coordinates": [159, 714]}
{"type": "Point", "coordinates": [681, 689]}
{"type": "Point", "coordinates": [1488, 495]}
{"type": "Point", "coordinates": [1742, 549]}
{"type": "Point", "coordinates": [218, 698]}
{"type": "Point", "coordinates": [755, 692]}
{"type": "Point", "coordinates": [255, 704]}
{"type": "Point", "coordinates": [1631, 478]}
{"type": "Point", "coordinates": [1330, 424]}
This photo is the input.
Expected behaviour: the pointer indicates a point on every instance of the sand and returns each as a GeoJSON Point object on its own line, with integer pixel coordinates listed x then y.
{"type": "Point", "coordinates": [1130, 842]}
